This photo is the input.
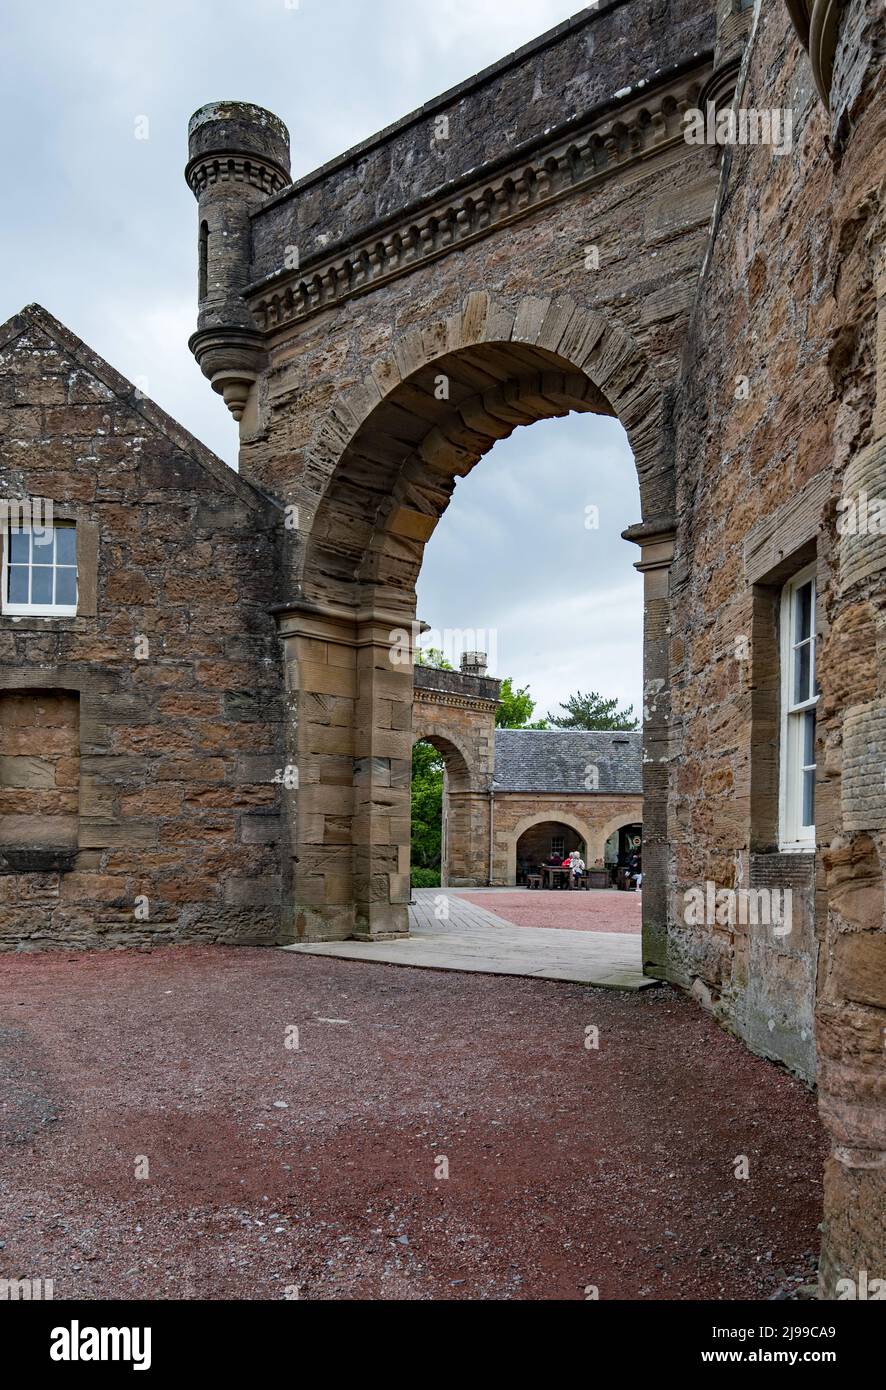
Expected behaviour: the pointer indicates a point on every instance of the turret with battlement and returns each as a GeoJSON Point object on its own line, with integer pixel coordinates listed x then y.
{"type": "Point", "coordinates": [239, 157]}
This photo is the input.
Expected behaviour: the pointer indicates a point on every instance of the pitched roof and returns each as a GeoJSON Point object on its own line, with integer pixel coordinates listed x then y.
{"type": "Point", "coordinates": [34, 316]}
{"type": "Point", "coordinates": [557, 760]}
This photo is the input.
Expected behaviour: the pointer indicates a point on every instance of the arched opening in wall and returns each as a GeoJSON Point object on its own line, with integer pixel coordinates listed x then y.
{"type": "Point", "coordinates": [203, 262]}
{"type": "Point", "coordinates": [427, 848]}
{"type": "Point", "coordinates": [552, 629]}
{"type": "Point", "coordinates": [443, 848]}
{"type": "Point", "coordinates": [548, 843]}
{"type": "Point", "coordinates": [527, 582]}
{"type": "Point", "coordinates": [623, 856]}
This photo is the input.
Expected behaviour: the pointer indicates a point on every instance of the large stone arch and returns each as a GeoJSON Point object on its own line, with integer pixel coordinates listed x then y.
{"type": "Point", "coordinates": [390, 451]}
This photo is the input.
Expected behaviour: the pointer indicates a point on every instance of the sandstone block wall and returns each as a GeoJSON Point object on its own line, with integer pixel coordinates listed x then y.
{"type": "Point", "coordinates": [756, 414]}
{"type": "Point", "coordinates": [39, 772]}
{"type": "Point", "coordinates": [143, 735]}
{"type": "Point", "coordinates": [592, 816]}
{"type": "Point", "coordinates": [777, 420]}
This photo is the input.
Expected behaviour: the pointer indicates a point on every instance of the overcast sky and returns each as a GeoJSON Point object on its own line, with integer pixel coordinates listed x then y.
{"type": "Point", "coordinates": [100, 228]}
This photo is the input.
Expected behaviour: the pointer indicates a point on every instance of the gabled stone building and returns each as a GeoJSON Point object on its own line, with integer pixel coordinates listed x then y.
{"type": "Point", "coordinates": [563, 789]}
{"type": "Point", "coordinates": [543, 238]}
{"type": "Point", "coordinates": [140, 712]}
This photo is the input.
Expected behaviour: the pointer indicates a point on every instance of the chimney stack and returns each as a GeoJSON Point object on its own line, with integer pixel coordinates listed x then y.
{"type": "Point", "coordinates": [473, 663]}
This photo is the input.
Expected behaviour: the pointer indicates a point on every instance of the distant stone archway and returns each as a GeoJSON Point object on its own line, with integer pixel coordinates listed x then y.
{"type": "Point", "coordinates": [609, 829]}
{"type": "Point", "coordinates": [455, 712]}
{"type": "Point", "coordinates": [542, 818]}
{"type": "Point", "coordinates": [458, 850]}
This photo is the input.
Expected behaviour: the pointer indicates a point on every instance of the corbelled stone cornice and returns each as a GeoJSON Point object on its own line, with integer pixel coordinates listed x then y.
{"type": "Point", "coordinates": [450, 701]}
{"type": "Point", "coordinates": [263, 174]}
{"type": "Point", "coordinates": [578, 155]}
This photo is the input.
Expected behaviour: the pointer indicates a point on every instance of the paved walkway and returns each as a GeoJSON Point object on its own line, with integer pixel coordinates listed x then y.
{"type": "Point", "coordinates": [450, 932]}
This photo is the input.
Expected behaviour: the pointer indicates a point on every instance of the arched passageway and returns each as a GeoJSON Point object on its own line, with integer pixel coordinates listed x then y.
{"type": "Point", "coordinates": [459, 816]}
{"type": "Point", "coordinates": [545, 840]}
{"type": "Point", "coordinates": [435, 409]}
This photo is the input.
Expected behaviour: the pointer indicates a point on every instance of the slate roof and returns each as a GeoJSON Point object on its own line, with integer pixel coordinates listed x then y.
{"type": "Point", "coordinates": [556, 760]}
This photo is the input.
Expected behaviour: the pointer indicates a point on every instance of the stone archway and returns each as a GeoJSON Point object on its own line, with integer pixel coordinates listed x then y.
{"type": "Point", "coordinates": [462, 841]}
{"type": "Point", "coordinates": [609, 829]}
{"type": "Point", "coordinates": [393, 448]}
{"type": "Point", "coordinates": [455, 712]}
{"type": "Point", "coordinates": [542, 818]}
{"type": "Point", "coordinates": [334, 307]}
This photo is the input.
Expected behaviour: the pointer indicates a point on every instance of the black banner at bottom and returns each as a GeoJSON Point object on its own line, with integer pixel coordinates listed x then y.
{"type": "Point", "coordinates": [89, 1338]}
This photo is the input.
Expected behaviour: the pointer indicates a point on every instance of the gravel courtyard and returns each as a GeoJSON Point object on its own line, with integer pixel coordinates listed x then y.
{"type": "Point", "coordinates": [318, 1171]}
{"type": "Point", "coordinates": [602, 910]}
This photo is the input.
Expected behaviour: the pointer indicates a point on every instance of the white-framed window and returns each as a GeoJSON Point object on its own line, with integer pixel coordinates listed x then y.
{"type": "Point", "coordinates": [40, 570]}
{"type": "Point", "coordinates": [799, 697]}
{"type": "Point", "coordinates": [558, 845]}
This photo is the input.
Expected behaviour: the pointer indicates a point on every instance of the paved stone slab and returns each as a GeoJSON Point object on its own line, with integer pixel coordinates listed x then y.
{"type": "Point", "coordinates": [450, 933]}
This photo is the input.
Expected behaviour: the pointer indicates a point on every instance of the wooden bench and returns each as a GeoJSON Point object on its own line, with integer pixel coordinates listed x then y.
{"type": "Point", "coordinates": [533, 880]}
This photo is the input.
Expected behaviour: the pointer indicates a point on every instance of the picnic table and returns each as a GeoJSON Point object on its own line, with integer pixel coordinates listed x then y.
{"type": "Point", "coordinates": [555, 876]}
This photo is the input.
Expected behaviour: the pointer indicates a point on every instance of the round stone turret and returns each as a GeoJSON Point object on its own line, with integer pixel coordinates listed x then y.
{"type": "Point", "coordinates": [239, 157]}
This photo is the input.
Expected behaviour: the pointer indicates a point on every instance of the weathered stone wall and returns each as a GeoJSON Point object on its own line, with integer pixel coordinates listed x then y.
{"type": "Point", "coordinates": [39, 770]}
{"type": "Point", "coordinates": [582, 66]}
{"type": "Point", "coordinates": [755, 419]}
{"type": "Point", "coordinates": [776, 418]}
{"type": "Point", "coordinates": [165, 688]}
{"type": "Point", "coordinates": [852, 1000]}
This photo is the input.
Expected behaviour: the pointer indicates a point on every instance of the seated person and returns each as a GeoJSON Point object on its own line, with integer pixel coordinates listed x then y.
{"type": "Point", "coordinates": [576, 864]}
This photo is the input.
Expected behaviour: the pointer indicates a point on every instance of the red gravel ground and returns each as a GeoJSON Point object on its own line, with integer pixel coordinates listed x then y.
{"type": "Point", "coordinates": [603, 910]}
{"type": "Point", "coordinates": [272, 1168]}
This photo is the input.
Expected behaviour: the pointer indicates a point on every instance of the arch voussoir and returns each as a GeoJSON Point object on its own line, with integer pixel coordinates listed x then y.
{"type": "Point", "coordinates": [556, 322]}
{"type": "Point", "coordinates": [410, 353]}
{"type": "Point", "coordinates": [530, 320]}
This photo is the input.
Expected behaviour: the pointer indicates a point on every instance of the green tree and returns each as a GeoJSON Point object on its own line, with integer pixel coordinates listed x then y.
{"type": "Point", "coordinates": [427, 806]}
{"type": "Point", "coordinates": [516, 708]}
{"type": "Point", "coordinates": [432, 656]}
{"type": "Point", "coordinates": [593, 712]}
